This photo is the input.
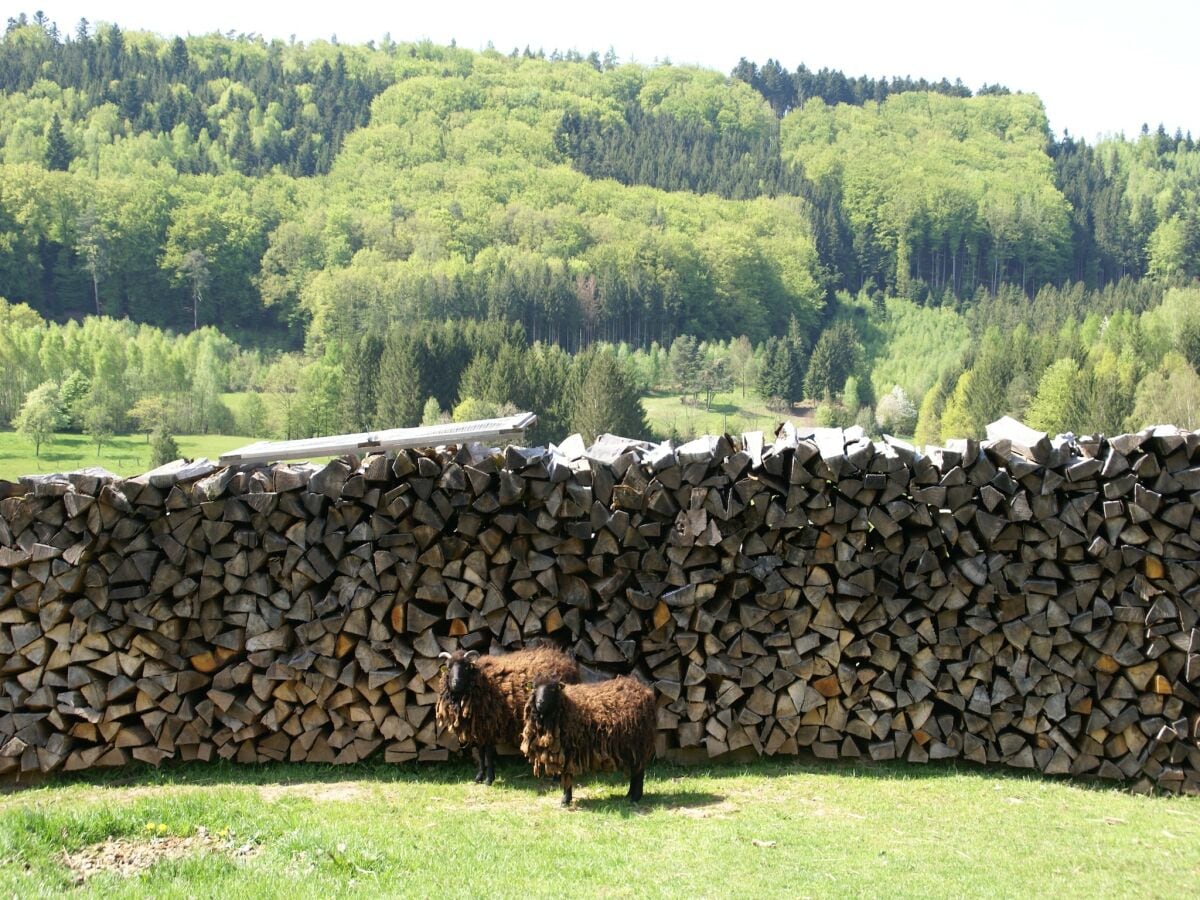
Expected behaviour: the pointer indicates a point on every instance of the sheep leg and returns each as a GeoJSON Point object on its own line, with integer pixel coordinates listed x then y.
{"type": "Point", "coordinates": [567, 789]}
{"type": "Point", "coordinates": [481, 763]}
{"type": "Point", "coordinates": [636, 778]}
{"type": "Point", "coordinates": [490, 754]}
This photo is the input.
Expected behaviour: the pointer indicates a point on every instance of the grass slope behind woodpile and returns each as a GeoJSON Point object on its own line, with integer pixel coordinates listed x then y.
{"type": "Point", "coordinates": [123, 454]}
{"type": "Point", "coordinates": [728, 412]}
{"type": "Point", "coordinates": [773, 828]}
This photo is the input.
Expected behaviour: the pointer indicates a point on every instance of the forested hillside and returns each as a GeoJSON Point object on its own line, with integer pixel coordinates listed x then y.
{"type": "Point", "coordinates": [387, 233]}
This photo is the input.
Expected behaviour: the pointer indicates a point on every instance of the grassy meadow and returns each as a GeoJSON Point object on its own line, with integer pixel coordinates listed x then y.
{"type": "Point", "coordinates": [770, 828]}
{"type": "Point", "coordinates": [124, 454]}
{"type": "Point", "coordinates": [729, 412]}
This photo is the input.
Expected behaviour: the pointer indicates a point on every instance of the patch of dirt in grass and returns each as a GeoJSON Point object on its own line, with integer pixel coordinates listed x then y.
{"type": "Point", "coordinates": [322, 792]}
{"type": "Point", "coordinates": [722, 810]}
{"type": "Point", "coordinates": [130, 856]}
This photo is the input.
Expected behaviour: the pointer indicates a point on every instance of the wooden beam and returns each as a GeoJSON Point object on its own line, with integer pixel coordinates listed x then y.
{"type": "Point", "coordinates": [510, 429]}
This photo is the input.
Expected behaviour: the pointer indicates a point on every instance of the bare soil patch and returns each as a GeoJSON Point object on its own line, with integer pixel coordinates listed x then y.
{"type": "Point", "coordinates": [131, 856]}
{"type": "Point", "coordinates": [322, 792]}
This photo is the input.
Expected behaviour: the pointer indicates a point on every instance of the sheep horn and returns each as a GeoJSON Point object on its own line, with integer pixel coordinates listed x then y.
{"type": "Point", "coordinates": [444, 655]}
{"type": "Point", "coordinates": [472, 655]}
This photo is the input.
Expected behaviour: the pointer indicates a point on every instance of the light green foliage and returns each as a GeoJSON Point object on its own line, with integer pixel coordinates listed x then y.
{"type": "Point", "coordinates": [1161, 194]}
{"type": "Point", "coordinates": [282, 379]}
{"type": "Point", "coordinates": [928, 429]}
{"type": "Point", "coordinates": [910, 345]}
{"type": "Point", "coordinates": [73, 399]}
{"type": "Point", "coordinates": [39, 416]}
{"type": "Point", "coordinates": [154, 412]}
{"type": "Point", "coordinates": [1055, 407]}
{"type": "Point", "coordinates": [1169, 395]}
{"type": "Point", "coordinates": [957, 420]}
{"type": "Point", "coordinates": [472, 409]}
{"type": "Point", "coordinates": [924, 174]}
{"type": "Point", "coordinates": [1175, 323]}
{"type": "Point", "coordinates": [852, 396]}
{"type": "Point", "coordinates": [713, 378]}
{"type": "Point", "coordinates": [99, 425]}
{"type": "Point", "coordinates": [251, 418]}
{"type": "Point", "coordinates": [495, 223]}
{"type": "Point", "coordinates": [742, 363]}
{"type": "Point", "coordinates": [1167, 249]}
{"type": "Point", "coordinates": [431, 413]}
{"type": "Point", "coordinates": [831, 415]}
{"type": "Point", "coordinates": [691, 94]}
{"type": "Point", "coordinates": [319, 398]}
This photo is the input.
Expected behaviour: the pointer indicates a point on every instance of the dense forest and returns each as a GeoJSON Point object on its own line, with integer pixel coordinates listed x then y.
{"type": "Point", "coordinates": [495, 229]}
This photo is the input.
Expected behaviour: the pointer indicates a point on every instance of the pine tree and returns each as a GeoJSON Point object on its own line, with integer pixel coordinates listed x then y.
{"type": "Point", "coordinates": [163, 448]}
{"type": "Point", "coordinates": [360, 402]}
{"type": "Point", "coordinates": [777, 377]}
{"type": "Point", "coordinates": [685, 363]}
{"type": "Point", "coordinates": [58, 151]}
{"type": "Point", "coordinates": [834, 359]}
{"type": "Point", "coordinates": [608, 401]}
{"type": "Point", "coordinates": [399, 394]}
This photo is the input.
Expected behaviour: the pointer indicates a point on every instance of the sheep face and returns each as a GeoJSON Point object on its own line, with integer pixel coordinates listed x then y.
{"type": "Point", "coordinates": [546, 703]}
{"type": "Point", "coordinates": [461, 673]}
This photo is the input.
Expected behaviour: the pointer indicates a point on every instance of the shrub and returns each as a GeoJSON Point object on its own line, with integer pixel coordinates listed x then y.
{"type": "Point", "coordinates": [163, 448]}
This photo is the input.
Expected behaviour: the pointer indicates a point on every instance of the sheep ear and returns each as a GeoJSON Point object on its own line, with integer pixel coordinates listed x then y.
{"type": "Point", "coordinates": [529, 685]}
{"type": "Point", "coordinates": [472, 655]}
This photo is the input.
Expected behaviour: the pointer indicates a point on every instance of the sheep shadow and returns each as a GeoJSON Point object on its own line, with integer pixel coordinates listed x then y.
{"type": "Point", "coordinates": [682, 801]}
{"type": "Point", "coordinates": [513, 774]}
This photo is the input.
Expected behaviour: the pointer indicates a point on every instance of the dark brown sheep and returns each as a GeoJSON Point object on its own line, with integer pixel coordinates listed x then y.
{"type": "Point", "coordinates": [483, 698]}
{"type": "Point", "coordinates": [576, 728]}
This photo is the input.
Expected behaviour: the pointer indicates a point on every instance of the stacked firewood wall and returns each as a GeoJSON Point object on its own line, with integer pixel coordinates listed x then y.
{"type": "Point", "coordinates": [1021, 602]}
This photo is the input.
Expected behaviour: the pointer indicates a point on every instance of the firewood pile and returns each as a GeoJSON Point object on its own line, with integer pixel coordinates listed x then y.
{"type": "Point", "coordinates": [1021, 601]}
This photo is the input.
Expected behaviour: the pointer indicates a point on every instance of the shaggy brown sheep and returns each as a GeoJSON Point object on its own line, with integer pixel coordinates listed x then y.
{"type": "Point", "coordinates": [576, 728]}
{"type": "Point", "coordinates": [483, 698]}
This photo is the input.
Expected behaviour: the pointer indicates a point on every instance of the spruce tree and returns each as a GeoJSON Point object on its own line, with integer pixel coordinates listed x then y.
{"type": "Point", "coordinates": [360, 402]}
{"type": "Point", "coordinates": [398, 403]}
{"type": "Point", "coordinates": [608, 402]}
{"type": "Point", "coordinates": [58, 151]}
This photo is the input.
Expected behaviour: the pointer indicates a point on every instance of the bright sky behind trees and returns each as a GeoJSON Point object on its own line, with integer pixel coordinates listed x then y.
{"type": "Point", "coordinates": [1100, 66]}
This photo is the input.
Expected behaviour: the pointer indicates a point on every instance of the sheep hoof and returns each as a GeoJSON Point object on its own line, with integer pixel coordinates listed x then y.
{"type": "Point", "coordinates": [488, 781]}
{"type": "Point", "coordinates": [565, 803]}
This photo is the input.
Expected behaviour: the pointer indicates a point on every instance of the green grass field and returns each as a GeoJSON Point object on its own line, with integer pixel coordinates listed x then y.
{"type": "Point", "coordinates": [728, 413]}
{"type": "Point", "coordinates": [125, 454]}
{"type": "Point", "coordinates": [772, 828]}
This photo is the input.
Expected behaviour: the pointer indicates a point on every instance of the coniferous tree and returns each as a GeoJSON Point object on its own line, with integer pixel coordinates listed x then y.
{"type": "Point", "coordinates": [608, 401]}
{"type": "Point", "coordinates": [834, 359]}
{"type": "Point", "coordinates": [777, 379]}
{"type": "Point", "coordinates": [398, 403]}
{"type": "Point", "coordinates": [362, 383]}
{"type": "Point", "coordinates": [58, 150]}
